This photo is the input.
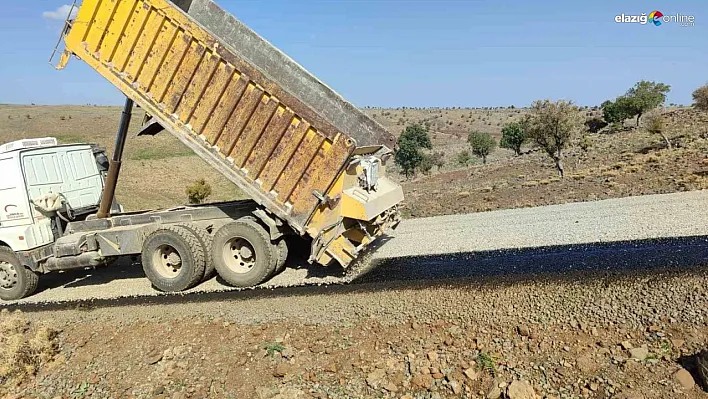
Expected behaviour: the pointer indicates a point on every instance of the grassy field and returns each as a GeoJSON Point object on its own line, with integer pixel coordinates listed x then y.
{"type": "Point", "coordinates": [157, 169]}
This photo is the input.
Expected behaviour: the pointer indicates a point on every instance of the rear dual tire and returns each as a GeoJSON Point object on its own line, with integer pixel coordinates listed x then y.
{"type": "Point", "coordinates": [173, 259]}
{"type": "Point", "coordinates": [244, 255]}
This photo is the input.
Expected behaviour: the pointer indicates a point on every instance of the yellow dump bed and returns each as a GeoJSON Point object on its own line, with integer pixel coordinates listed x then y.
{"type": "Point", "coordinates": [285, 138]}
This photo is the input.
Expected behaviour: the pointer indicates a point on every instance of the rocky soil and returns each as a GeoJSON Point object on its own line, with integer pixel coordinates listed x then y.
{"type": "Point", "coordinates": [590, 335]}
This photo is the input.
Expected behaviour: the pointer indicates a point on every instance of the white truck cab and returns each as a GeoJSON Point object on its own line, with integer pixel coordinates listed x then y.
{"type": "Point", "coordinates": [38, 175]}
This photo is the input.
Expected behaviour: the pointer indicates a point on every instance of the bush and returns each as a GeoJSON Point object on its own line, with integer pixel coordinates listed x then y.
{"type": "Point", "coordinates": [513, 137]}
{"type": "Point", "coordinates": [616, 112]}
{"type": "Point", "coordinates": [438, 159]}
{"type": "Point", "coordinates": [584, 143]}
{"type": "Point", "coordinates": [426, 164]}
{"type": "Point", "coordinates": [464, 158]}
{"type": "Point", "coordinates": [655, 125]}
{"type": "Point", "coordinates": [595, 124]}
{"type": "Point", "coordinates": [482, 144]}
{"type": "Point", "coordinates": [198, 191]}
{"type": "Point", "coordinates": [700, 98]}
{"type": "Point", "coordinates": [552, 125]}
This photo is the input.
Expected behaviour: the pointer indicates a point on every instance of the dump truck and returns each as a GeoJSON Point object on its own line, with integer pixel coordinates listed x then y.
{"type": "Point", "coordinates": [313, 165]}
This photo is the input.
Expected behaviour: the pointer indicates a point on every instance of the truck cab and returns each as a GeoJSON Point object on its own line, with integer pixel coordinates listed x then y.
{"type": "Point", "coordinates": [44, 186]}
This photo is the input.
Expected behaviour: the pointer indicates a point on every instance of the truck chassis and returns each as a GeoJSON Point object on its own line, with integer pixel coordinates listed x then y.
{"type": "Point", "coordinates": [179, 247]}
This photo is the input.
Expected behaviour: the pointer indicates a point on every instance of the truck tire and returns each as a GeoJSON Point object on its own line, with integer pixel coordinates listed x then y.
{"type": "Point", "coordinates": [173, 259]}
{"type": "Point", "coordinates": [16, 281]}
{"type": "Point", "coordinates": [282, 250]}
{"type": "Point", "coordinates": [205, 239]}
{"type": "Point", "coordinates": [243, 253]}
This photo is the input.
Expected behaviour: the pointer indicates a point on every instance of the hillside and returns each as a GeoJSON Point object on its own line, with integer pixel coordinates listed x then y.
{"type": "Point", "coordinates": [157, 169]}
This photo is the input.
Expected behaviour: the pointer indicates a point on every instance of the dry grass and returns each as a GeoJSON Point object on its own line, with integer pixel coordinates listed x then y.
{"type": "Point", "coordinates": [23, 349]}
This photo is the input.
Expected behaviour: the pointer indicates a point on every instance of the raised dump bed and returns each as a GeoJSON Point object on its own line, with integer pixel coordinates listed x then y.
{"type": "Point", "coordinates": [308, 157]}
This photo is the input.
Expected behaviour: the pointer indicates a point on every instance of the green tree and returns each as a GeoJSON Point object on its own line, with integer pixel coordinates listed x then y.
{"type": "Point", "coordinates": [417, 134]}
{"type": "Point", "coordinates": [616, 112]}
{"type": "Point", "coordinates": [645, 96]}
{"type": "Point", "coordinates": [408, 156]}
{"type": "Point", "coordinates": [482, 144]}
{"type": "Point", "coordinates": [551, 126]}
{"type": "Point", "coordinates": [513, 137]}
{"type": "Point", "coordinates": [700, 98]}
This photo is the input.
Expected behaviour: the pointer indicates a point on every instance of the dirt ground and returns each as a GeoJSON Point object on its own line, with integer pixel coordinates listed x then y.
{"type": "Point", "coordinates": [542, 338]}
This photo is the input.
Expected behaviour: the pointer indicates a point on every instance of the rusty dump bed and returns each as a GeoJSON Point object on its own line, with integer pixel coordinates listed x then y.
{"type": "Point", "coordinates": [253, 113]}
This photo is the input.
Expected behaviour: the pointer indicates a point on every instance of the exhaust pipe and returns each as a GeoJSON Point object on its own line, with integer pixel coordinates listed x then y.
{"type": "Point", "coordinates": [109, 192]}
{"type": "Point", "coordinates": [86, 259]}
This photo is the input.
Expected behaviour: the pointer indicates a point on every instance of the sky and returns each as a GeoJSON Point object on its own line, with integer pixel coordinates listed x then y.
{"type": "Point", "coordinates": [415, 53]}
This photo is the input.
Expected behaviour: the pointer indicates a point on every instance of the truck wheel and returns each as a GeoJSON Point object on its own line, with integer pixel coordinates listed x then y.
{"type": "Point", "coordinates": [243, 254]}
{"type": "Point", "coordinates": [173, 259]}
{"type": "Point", "coordinates": [282, 249]}
{"type": "Point", "coordinates": [16, 281]}
{"type": "Point", "coordinates": [205, 239]}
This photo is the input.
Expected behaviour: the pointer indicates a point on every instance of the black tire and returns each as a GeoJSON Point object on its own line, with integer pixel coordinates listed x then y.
{"type": "Point", "coordinates": [17, 281]}
{"type": "Point", "coordinates": [205, 239]}
{"type": "Point", "coordinates": [160, 245]}
{"type": "Point", "coordinates": [249, 270]}
{"type": "Point", "coordinates": [282, 250]}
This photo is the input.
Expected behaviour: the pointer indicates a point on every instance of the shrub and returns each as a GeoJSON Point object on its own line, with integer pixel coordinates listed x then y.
{"type": "Point", "coordinates": [655, 125]}
{"type": "Point", "coordinates": [616, 112]}
{"type": "Point", "coordinates": [482, 144]}
{"type": "Point", "coordinates": [464, 158]}
{"type": "Point", "coordinates": [438, 159]}
{"type": "Point", "coordinates": [595, 124]}
{"type": "Point", "coordinates": [585, 143]}
{"type": "Point", "coordinates": [513, 137]}
{"type": "Point", "coordinates": [552, 125]}
{"type": "Point", "coordinates": [198, 191]}
{"type": "Point", "coordinates": [700, 98]}
{"type": "Point", "coordinates": [426, 164]}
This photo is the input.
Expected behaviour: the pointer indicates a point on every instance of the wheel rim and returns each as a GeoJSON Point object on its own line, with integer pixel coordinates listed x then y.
{"type": "Point", "coordinates": [167, 261]}
{"type": "Point", "coordinates": [239, 255]}
{"type": "Point", "coordinates": [8, 275]}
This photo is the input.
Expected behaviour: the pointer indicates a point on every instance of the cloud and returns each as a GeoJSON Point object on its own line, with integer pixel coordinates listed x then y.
{"type": "Point", "coordinates": [60, 13]}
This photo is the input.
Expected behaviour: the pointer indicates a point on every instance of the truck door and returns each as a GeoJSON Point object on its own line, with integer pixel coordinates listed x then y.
{"type": "Point", "coordinates": [14, 205]}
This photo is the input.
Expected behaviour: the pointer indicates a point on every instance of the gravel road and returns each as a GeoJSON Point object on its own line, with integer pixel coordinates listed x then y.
{"type": "Point", "coordinates": [593, 234]}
